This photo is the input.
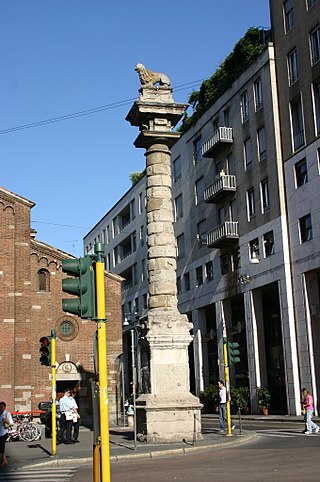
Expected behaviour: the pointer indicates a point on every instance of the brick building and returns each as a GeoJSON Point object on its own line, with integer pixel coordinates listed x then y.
{"type": "Point", "coordinates": [30, 307]}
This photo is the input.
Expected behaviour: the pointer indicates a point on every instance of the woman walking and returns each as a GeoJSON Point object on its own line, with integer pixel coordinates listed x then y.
{"type": "Point", "coordinates": [309, 408]}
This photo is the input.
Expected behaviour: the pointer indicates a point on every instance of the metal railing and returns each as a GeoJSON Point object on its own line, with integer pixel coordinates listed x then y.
{"type": "Point", "coordinates": [229, 229]}
{"type": "Point", "coordinates": [222, 134]}
{"type": "Point", "coordinates": [225, 182]}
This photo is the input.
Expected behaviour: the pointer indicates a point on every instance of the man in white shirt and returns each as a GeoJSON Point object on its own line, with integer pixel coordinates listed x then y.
{"type": "Point", "coordinates": [223, 406]}
{"type": "Point", "coordinates": [66, 409]}
{"type": "Point", "coordinates": [5, 422]}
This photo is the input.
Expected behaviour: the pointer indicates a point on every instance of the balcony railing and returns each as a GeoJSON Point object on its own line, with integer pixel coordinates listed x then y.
{"type": "Point", "coordinates": [225, 184]}
{"type": "Point", "coordinates": [221, 135]}
{"type": "Point", "coordinates": [224, 235]}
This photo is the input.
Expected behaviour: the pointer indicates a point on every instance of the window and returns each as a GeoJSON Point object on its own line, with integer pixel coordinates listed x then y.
{"type": "Point", "coordinates": [134, 274]}
{"type": "Point", "coordinates": [254, 251]}
{"type": "Point", "coordinates": [258, 101]}
{"type": "Point", "coordinates": [224, 264]}
{"type": "Point", "coordinates": [288, 15]}
{"type": "Point", "coordinates": [178, 207]}
{"type": "Point", "coordinates": [141, 202]}
{"type": "Point", "coordinates": [244, 107]}
{"type": "Point", "coordinates": [114, 227]}
{"type": "Point", "coordinates": [186, 279]}
{"type": "Point", "coordinates": [109, 262]}
{"type": "Point", "coordinates": [178, 285]}
{"type": "Point", "coordinates": [230, 262]}
{"type": "Point", "coordinates": [67, 329]}
{"type": "Point", "coordinates": [316, 107]}
{"type": "Point", "coordinates": [262, 150]}
{"type": "Point", "coordinates": [311, 3]}
{"type": "Point", "coordinates": [145, 301]}
{"type": "Point", "coordinates": [293, 66]}
{"type": "Point", "coordinates": [43, 280]}
{"type": "Point", "coordinates": [226, 117]}
{"type": "Point", "coordinates": [247, 154]}
{"type": "Point", "coordinates": [115, 255]}
{"type": "Point", "coordinates": [315, 45]}
{"type": "Point", "coordinates": [199, 275]}
{"type": "Point", "coordinates": [305, 226]}
{"type": "Point", "coordinates": [197, 150]}
{"type": "Point", "coordinates": [209, 270]}
{"type": "Point", "coordinates": [136, 304]}
{"type": "Point", "coordinates": [301, 172]}
{"type": "Point", "coordinates": [199, 190]}
{"type": "Point", "coordinates": [250, 204]}
{"type": "Point", "coordinates": [180, 246]}
{"type": "Point", "coordinates": [202, 231]}
{"type": "Point", "coordinates": [142, 235]}
{"type": "Point", "coordinates": [268, 243]}
{"type": "Point", "coordinates": [176, 169]}
{"type": "Point", "coordinates": [265, 200]}
{"type": "Point", "coordinates": [143, 269]}
{"type": "Point", "coordinates": [108, 234]}
{"type": "Point", "coordinates": [298, 139]}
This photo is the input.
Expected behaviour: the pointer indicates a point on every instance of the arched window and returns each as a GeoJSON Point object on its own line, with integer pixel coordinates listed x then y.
{"type": "Point", "coordinates": [43, 280]}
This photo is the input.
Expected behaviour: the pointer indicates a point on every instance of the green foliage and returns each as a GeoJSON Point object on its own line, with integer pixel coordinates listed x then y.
{"type": "Point", "coordinates": [264, 397]}
{"type": "Point", "coordinates": [136, 176]}
{"type": "Point", "coordinates": [240, 397]}
{"type": "Point", "coordinates": [244, 54]}
{"type": "Point", "coordinates": [210, 398]}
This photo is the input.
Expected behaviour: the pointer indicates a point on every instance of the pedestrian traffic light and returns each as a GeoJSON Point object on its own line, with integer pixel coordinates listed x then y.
{"type": "Point", "coordinates": [81, 285]}
{"type": "Point", "coordinates": [45, 350]}
{"type": "Point", "coordinates": [233, 352]}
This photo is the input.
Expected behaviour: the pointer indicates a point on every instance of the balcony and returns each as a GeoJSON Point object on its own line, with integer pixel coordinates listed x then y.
{"type": "Point", "coordinates": [221, 136]}
{"type": "Point", "coordinates": [223, 236]}
{"type": "Point", "coordinates": [223, 185]}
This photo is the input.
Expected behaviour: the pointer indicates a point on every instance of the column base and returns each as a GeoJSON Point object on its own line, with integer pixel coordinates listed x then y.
{"type": "Point", "coordinates": [162, 419]}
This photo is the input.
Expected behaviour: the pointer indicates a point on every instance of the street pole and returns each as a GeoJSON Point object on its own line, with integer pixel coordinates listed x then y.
{"type": "Point", "coordinates": [54, 394]}
{"type": "Point", "coordinates": [134, 383]}
{"type": "Point", "coordinates": [226, 376]}
{"type": "Point", "coordinates": [102, 364]}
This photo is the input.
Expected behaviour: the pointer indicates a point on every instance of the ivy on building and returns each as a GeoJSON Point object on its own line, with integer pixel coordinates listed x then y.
{"type": "Point", "coordinates": [245, 52]}
{"type": "Point", "coordinates": [136, 176]}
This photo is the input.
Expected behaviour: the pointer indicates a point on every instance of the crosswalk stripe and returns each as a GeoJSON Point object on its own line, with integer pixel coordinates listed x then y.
{"type": "Point", "coordinates": [51, 474]}
{"type": "Point", "coordinates": [280, 434]}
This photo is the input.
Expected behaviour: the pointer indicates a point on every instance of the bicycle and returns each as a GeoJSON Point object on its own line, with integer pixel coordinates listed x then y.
{"type": "Point", "coordinates": [23, 429]}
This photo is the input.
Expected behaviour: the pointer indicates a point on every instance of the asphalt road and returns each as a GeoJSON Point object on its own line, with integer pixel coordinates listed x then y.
{"type": "Point", "coordinates": [280, 452]}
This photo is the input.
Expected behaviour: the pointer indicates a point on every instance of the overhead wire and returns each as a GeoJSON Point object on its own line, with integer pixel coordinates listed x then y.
{"type": "Point", "coordinates": [94, 110]}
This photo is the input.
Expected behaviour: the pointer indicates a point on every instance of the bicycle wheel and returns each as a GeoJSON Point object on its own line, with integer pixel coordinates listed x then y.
{"type": "Point", "coordinates": [30, 432]}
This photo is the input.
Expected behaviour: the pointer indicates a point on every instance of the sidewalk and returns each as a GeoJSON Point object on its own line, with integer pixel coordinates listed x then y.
{"type": "Point", "coordinates": [122, 445]}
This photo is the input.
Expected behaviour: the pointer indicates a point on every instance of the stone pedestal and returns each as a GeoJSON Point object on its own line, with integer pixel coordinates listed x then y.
{"type": "Point", "coordinates": [169, 413]}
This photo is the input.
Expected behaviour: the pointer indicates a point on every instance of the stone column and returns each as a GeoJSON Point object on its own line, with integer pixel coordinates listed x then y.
{"type": "Point", "coordinates": [169, 412]}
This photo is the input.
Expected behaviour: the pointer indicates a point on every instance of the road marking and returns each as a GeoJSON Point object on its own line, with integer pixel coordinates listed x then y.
{"type": "Point", "coordinates": [280, 434]}
{"type": "Point", "coordinates": [51, 474]}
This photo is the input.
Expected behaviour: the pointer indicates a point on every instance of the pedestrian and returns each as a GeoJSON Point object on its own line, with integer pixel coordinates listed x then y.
{"type": "Point", "coordinates": [5, 422]}
{"type": "Point", "coordinates": [76, 418]}
{"type": "Point", "coordinates": [66, 418]}
{"type": "Point", "coordinates": [309, 408]}
{"type": "Point", "coordinates": [223, 407]}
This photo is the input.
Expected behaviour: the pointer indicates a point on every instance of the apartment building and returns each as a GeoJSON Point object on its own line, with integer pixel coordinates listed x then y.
{"type": "Point", "coordinates": [233, 269]}
{"type": "Point", "coordinates": [296, 30]}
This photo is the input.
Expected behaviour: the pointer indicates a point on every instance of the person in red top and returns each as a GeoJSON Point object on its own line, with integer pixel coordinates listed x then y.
{"type": "Point", "coordinates": [309, 408]}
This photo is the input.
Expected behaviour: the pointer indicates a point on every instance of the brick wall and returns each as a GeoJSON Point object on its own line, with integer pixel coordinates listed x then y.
{"type": "Point", "coordinates": [27, 312]}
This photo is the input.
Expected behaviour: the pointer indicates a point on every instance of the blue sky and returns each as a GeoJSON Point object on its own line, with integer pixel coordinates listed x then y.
{"type": "Point", "coordinates": [66, 57]}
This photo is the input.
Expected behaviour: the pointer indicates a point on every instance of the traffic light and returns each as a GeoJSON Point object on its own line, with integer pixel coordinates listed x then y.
{"type": "Point", "coordinates": [82, 285]}
{"type": "Point", "coordinates": [45, 350]}
{"type": "Point", "coordinates": [233, 352]}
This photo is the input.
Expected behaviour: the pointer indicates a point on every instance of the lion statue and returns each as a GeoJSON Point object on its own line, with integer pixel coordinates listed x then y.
{"type": "Point", "coordinates": [150, 79]}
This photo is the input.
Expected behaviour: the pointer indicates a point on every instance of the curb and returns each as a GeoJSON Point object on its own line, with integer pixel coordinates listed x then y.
{"type": "Point", "coordinates": [240, 439]}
